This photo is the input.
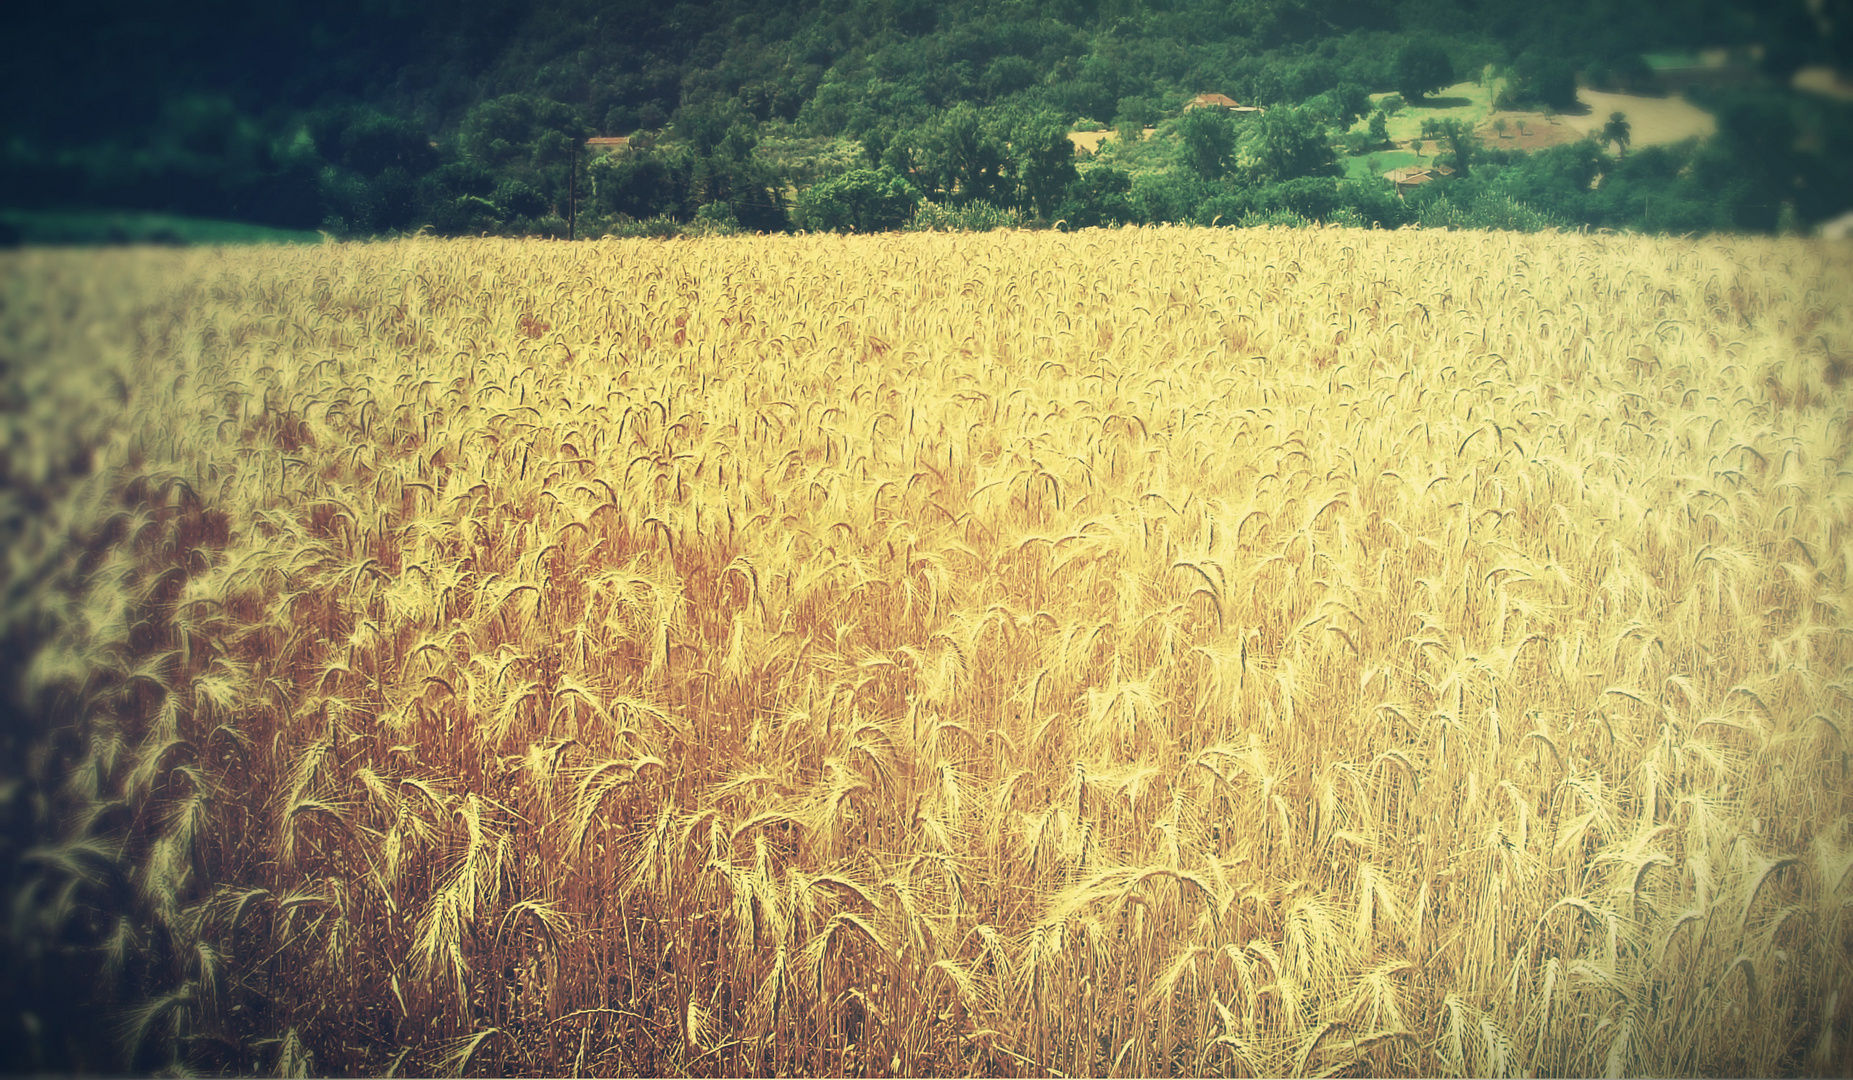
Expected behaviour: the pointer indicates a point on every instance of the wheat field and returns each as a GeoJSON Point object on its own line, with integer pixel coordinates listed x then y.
{"type": "Point", "coordinates": [1145, 652]}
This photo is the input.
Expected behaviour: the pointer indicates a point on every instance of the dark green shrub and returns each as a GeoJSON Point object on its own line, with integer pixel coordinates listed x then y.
{"type": "Point", "coordinates": [861, 200]}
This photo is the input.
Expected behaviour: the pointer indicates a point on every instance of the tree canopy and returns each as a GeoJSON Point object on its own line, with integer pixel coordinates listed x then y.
{"type": "Point", "coordinates": [1618, 131]}
{"type": "Point", "coordinates": [364, 117]}
{"type": "Point", "coordinates": [861, 200]}
{"type": "Point", "coordinates": [1421, 69]}
{"type": "Point", "coordinates": [1286, 144]}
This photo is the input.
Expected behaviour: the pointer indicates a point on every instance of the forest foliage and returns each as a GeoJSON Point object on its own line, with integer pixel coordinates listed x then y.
{"type": "Point", "coordinates": [365, 118]}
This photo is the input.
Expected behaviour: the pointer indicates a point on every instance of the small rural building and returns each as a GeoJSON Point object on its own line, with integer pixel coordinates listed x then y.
{"type": "Point", "coordinates": [1410, 177]}
{"type": "Point", "coordinates": [608, 143]}
{"type": "Point", "coordinates": [1220, 101]}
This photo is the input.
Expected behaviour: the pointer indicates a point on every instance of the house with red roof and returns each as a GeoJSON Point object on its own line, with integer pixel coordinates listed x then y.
{"type": "Point", "coordinates": [1410, 177]}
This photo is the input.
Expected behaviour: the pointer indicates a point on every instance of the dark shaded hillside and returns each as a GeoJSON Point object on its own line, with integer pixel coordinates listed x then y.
{"type": "Point", "coordinates": [370, 116]}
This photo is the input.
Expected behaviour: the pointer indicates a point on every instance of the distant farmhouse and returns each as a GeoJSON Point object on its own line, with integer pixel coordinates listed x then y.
{"type": "Point", "coordinates": [1410, 177]}
{"type": "Point", "coordinates": [1222, 102]}
{"type": "Point", "coordinates": [608, 143]}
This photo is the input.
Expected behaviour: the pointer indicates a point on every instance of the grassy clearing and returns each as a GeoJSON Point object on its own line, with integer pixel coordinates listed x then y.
{"type": "Point", "coordinates": [1468, 102]}
{"type": "Point", "coordinates": [1366, 166]}
{"type": "Point", "coordinates": [1397, 653]}
{"type": "Point", "coordinates": [58, 227]}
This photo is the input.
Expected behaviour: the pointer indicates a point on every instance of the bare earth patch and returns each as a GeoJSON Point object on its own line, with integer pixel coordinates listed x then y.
{"type": "Point", "coordinates": [1821, 79]}
{"type": "Point", "coordinates": [1090, 140]}
{"type": "Point", "coordinates": [1540, 131]}
{"type": "Point", "coordinates": [1654, 120]}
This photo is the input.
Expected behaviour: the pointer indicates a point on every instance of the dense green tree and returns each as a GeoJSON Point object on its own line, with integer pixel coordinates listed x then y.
{"type": "Point", "coordinates": [642, 183]}
{"type": "Point", "coordinates": [1469, 206]}
{"type": "Point", "coordinates": [1208, 139]}
{"type": "Point", "coordinates": [1098, 197]}
{"type": "Point", "coordinates": [465, 215]}
{"type": "Point", "coordinates": [1458, 136]}
{"type": "Point", "coordinates": [1837, 37]}
{"type": "Point", "coordinates": [1541, 78]}
{"type": "Point", "coordinates": [907, 154]}
{"type": "Point", "coordinates": [288, 193]}
{"type": "Point", "coordinates": [1618, 132]}
{"type": "Point", "coordinates": [1287, 143]}
{"type": "Point", "coordinates": [1137, 111]}
{"type": "Point", "coordinates": [518, 199]}
{"type": "Point", "coordinates": [724, 127]}
{"type": "Point", "coordinates": [350, 204]}
{"type": "Point", "coordinates": [1227, 206]}
{"type": "Point", "coordinates": [968, 157]}
{"type": "Point", "coordinates": [395, 200]}
{"type": "Point", "coordinates": [913, 17]}
{"type": "Point", "coordinates": [1314, 198]}
{"type": "Point", "coordinates": [752, 190]}
{"type": "Point", "coordinates": [861, 200]}
{"type": "Point", "coordinates": [1007, 75]}
{"type": "Point", "coordinates": [1349, 101]}
{"type": "Point", "coordinates": [1309, 78]}
{"type": "Point", "coordinates": [842, 108]}
{"type": "Point", "coordinates": [1751, 166]}
{"type": "Point", "coordinates": [1042, 161]}
{"type": "Point", "coordinates": [520, 129]}
{"type": "Point", "coordinates": [1373, 203]}
{"type": "Point", "coordinates": [1554, 181]}
{"type": "Point", "coordinates": [459, 178]}
{"type": "Point", "coordinates": [1170, 196]}
{"type": "Point", "coordinates": [372, 143]}
{"type": "Point", "coordinates": [1421, 69]}
{"type": "Point", "coordinates": [1789, 35]}
{"type": "Point", "coordinates": [202, 153]}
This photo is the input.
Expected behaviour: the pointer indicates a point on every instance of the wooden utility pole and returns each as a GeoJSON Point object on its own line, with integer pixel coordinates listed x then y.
{"type": "Point", "coordinates": [572, 195]}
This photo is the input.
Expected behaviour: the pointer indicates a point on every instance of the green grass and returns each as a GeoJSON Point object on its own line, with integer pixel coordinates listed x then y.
{"type": "Point", "coordinates": [141, 227]}
{"type": "Point", "coordinates": [1407, 123]}
{"type": "Point", "coordinates": [1360, 168]}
